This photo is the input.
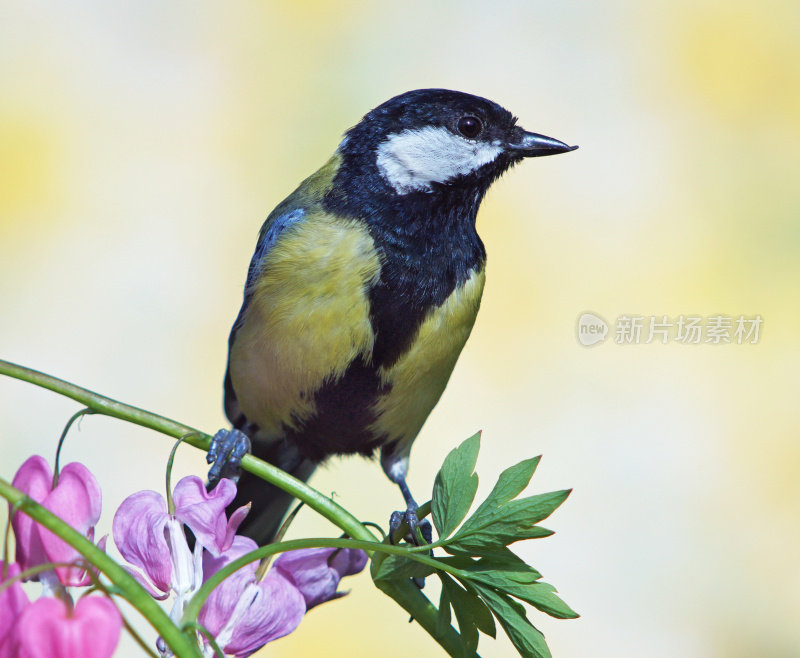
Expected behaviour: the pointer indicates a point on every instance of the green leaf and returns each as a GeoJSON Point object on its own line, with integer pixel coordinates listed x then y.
{"type": "Point", "coordinates": [396, 567]}
{"type": "Point", "coordinates": [495, 572]}
{"type": "Point", "coordinates": [471, 613]}
{"type": "Point", "coordinates": [506, 523]}
{"type": "Point", "coordinates": [443, 619]}
{"type": "Point", "coordinates": [510, 484]}
{"type": "Point", "coordinates": [455, 486]}
{"type": "Point", "coordinates": [501, 554]}
{"type": "Point", "coordinates": [463, 602]}
{"type": "Point", "coordinates": [501, 535]}
{"type": "Point", "coordinates": [527, 639]}
{"type": "Point", "coordinates": [541, 596]}
{"type": "Point", "coordinates": [473, 606]}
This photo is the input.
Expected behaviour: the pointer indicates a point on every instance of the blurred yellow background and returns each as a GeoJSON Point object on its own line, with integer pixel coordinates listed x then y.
{"type": "Point", "coordinates": [142, 144]}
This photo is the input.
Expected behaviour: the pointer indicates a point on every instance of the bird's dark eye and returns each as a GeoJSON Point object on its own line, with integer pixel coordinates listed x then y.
{"type": "Point", "coordinates": [470, 127]}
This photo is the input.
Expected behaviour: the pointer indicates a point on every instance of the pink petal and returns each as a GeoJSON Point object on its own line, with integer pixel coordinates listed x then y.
{"type": "Point", "coordinates": [142, 580]}
{"type": "Point", "coordinates": [138, 530]}
{"type": "Point", "coordinates": [266, 610]}
{"type": "Point", "coordinates": [233, 525]}
{"type": "Point", "coordinates": [240, 546]}
{"type": "Point", "coordinates": [276, 610]}
{"type": "Point", "coordinates": [13, 602]}
{"type": "Point", "coordinates": [348, 561]}
{"type": "Point", "coordinates": [78, 489]}
{"type": "Point", "coordinates": [316, 572]}
{"type": "Point", "coordinates": [204, 511]}
{"type": "Point", "coordinates": [79, 576]}
{"type": "Point", "coordinates": [35, 479]}
{"type": "Point", "coordinates": [48, 630]}
{"type": "Point", "coordinates": [219, 606]}
{"type": "Point", "coordinates": [77, 500]}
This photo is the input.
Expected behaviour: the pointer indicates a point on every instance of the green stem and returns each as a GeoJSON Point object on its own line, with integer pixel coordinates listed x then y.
{"type": "Point", "coordinates": [209, 638]}
{"type": "Point", "coordinates": [138, 638]}
{"type": "Point", "coordinates": [33, 571]}
{"type": "Point", "coordinates": [193, 607]}
{"type": "Point", "coordinates": [57, 465]}
{"type": "Point", "coordinates": [6, 538]}
{"type": "Point", "coordinates": [404, 592]}
{"type": "Point", "coordinates": [104, 405]}
{"type": "Point", "coordinates": [108, 407]}
{"type": "Point", "coordinates": [170, 462]}
{"type": "Point", "coordinates": [126, 584]}
{"type": "Point", "coordinates": [410, 597]}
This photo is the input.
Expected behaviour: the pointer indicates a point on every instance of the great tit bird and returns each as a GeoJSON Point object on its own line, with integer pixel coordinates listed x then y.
{"type": "Point", "coordinates": [362, 291]}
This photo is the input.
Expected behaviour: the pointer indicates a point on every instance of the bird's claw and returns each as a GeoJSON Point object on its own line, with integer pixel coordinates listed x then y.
{"type": "Point", "coordinates": [426, 529]}
{"type": "Point", "coordinates": [225, 454]}
{"type": "Point", "coordinates": [410, 518]}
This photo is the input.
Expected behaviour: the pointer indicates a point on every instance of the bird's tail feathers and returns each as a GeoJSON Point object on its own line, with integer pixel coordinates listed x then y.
{"type": "Point", "coordinates": [269, 503]}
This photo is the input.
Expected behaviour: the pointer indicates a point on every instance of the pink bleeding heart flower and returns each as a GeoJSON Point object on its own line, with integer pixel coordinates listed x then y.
{"type": "Point", "coordinates": [13, 602]}
{"type": "Point", "coordinates": [316, 572]}
{"type": "Point", "coordinates": [153, 540]}
{"type": "Point", "coordinates": [204, 512]}
{"type": "Point", "coordinates": [244, 614]}
{"type": "Point", "coordinates": [76, 499]}
{"type": "Point", "coordinates": [49, 628]}
{"type": "Point", "coordinates": [143, 535]}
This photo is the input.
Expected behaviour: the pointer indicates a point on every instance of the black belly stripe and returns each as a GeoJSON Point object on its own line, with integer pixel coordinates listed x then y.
{"type": "Point", "coordinates": [344, 412]}
{"type": "Point", "coordinates": [402, 299]}
{"type": "Point", "coordinates": [418, 273]}
{"type": "Point", "coordinates": [426, 253]}
{"type": "Point", "coordinates": [427, 243]}
{"type": "Point", "coordinates": [344, 409]}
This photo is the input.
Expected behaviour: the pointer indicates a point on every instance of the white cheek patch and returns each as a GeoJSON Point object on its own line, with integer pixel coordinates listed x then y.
{"type": "Point", "coordinates": [413, 159]}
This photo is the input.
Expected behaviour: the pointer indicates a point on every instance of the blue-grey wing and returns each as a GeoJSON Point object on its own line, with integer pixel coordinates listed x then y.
{"type": "Point", "coordinates": [275, 225]}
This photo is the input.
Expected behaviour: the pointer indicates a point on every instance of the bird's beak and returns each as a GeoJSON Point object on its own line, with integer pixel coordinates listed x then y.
{"type": "Point", "coordinates": [531, 145]}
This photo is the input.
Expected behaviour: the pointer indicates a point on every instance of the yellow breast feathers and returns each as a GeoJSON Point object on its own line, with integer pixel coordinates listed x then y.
{"type": "Point", "coordinates": [419, 376]}
{"type": "Point", "coordinates": [307, 320]}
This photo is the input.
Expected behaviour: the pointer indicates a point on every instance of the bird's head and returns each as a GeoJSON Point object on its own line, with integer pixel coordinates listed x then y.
{"type": "Point", "coordinates": [435, 140]}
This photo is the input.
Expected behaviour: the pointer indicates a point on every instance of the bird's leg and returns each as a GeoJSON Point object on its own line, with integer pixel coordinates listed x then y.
{"type": "Point", "coordinates": [412, 521]}
{"type": "Point", "coordinates": [395, 464]}
{"type": "Point", "coordinates": [225, 454]}
{"type": "Point", "coordinates": [410, 518]}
